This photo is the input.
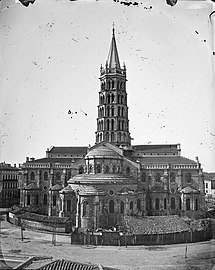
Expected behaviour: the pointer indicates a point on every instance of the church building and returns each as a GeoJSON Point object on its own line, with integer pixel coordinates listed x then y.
{"type": "Point", "coordinates": [98, 186]}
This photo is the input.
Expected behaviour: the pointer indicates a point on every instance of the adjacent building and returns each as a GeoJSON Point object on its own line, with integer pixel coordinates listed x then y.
{"type": "Point", "coordinates": [98, 186]}
{"type": "Point", "coordinates": [9, 191]}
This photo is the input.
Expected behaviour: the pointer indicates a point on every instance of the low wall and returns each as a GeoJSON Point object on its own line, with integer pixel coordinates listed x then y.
{"type": "Point", "coordinates": [119, 239]}
{"type": "Point", "coordinates": [60, 227]}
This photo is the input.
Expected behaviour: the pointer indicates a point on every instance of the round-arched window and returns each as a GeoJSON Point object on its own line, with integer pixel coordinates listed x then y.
{"type": "Point", "coordinates": [45, 176]}
{"type": "Point", "coordinates": [111, 206]}
{"type": "Point", "coordinates": [98, 168]}
{"type": "Point", "coordinates": [32, 176]}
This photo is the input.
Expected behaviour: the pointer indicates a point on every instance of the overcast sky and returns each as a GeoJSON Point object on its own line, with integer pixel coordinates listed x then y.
{"type": "Point", "coordinates": [51, 54]}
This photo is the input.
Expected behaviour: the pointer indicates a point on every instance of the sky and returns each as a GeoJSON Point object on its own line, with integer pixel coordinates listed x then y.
{"type": "Point", "coordinates": [50, 58]}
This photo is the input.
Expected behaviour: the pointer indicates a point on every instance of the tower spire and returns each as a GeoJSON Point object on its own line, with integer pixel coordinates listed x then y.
{"type": "Point", "coordinates": [113, 57]}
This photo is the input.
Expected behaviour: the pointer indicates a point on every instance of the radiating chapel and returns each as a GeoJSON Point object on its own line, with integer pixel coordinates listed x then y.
{"type": "Point", "coordinates": [98, 186]}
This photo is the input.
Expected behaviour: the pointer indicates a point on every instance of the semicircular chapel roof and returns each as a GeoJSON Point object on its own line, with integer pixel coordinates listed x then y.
{"type": "Point", "coordinates": [82, 189]}
{"type": "Point", "coordinates": [101, 178]}
{"type": "Point", "coordinates": [102, 151]}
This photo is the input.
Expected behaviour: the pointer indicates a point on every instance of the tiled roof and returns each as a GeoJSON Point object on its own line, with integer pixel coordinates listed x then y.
{"type": "Point", "coordinates": [155, 224]}
{"type": "Point", "coordinates": [101, 178]}
{"type": "Point", "coordinates": [69, 149]}
{"type": "Point", "coordinates": [156, 148]}
{"type": "Point", "coordinates": [68, 265]}
{"type": "Point", "coordinates": [53, 160]}
{"type": "Point", "coordinates": [166, 160]}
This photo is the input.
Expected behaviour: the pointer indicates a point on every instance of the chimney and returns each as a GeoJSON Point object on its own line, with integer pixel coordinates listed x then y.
{"type": "Point", "coordinates": [15, 165]}
{"type": "Point", "coordinates": [32, 159]}
{"type": "Point", "coordinates": [27, 159]}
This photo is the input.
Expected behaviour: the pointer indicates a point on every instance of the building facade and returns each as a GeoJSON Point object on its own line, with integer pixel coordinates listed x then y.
{"type": "Point", "coordinates": [99, 185]}
{"type": "Point", "coordinates": [9, 190]}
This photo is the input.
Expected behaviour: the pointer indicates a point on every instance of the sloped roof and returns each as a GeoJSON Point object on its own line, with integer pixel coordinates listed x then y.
{"type": "Point", "coordinates": [68, 150]}
{"type": "Point", "coordinates": [53, 160]}
{"type": "Point", "coordinates": [100, 178]}
{"type": "Point", "coordinates": [160, 148]}
{"type": "Point", "coordinates": [178, 160]}
{"type": "Point", "coordinates": [156, 224]}
{"type": "Point", "coordinates": [103, 150]}
{"type": "Point", "coordinates": [83, 189]}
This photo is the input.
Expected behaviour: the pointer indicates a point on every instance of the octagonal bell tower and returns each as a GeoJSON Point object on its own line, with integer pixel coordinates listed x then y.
{"type": "Point", "coordinates": [112, 121]}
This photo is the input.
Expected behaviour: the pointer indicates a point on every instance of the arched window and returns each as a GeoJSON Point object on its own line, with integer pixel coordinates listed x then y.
{"type": "Point", "coordinates": [172, 177]}
{"type": "Point", "coordinates": [111, 206]}
{"type": "Point", "coordinates": [119, 111]}
{"type": "Point", "coordinates": [164, 203]}
{"type": "Point", "coordinates": [28, 199]}
{"type": "Point", "coordinates": [57, 176]}
{"type": "Point", "coordinates": [37, 199]}
{"type": "Point", "coordinates": [157, 203]}
{"type": "Point", "coordinates": [107, 169]}
{"type": "Point", "coordinates": [98, 168]}
{"type": "Point", "coordinates": [108, 111]}
{"type": "Point", "coordinates": [112, 111]}
{"type": "Point", "coordinates": [112, 137]}
{"type": "Point", "coordinates": [123, 124]}
{"type": "Point", "coordinates": [45, 176]}
{"type": "Point", "coordinates": [124, 137]}
{"type": "Point", "coordinates": [54, 200]}
{"type": "Point", "coordinates": [81, 170]}
{"type": "Point", "coordinates": [118, 97]}
{"type": "Point", "coordinates": [150, 203]}
{"type": "Point", "coordinates": [157, 177]}
{"type": "Point", "coordinates": [112, 124]}
{"type": "Point", "coordinates": [119, 124]}
{"type": "Point", "coordinates": [85, 208]}
{"type": "Point", "coordinates": [108, 85]}
{"type": "Point", "coordinates": [138, 204]}
{"type": "Point", "coordinates": [113, 84]}
{"type": "Point", "coordinates": [188, 204]}
{"type": "Point", "coordinates": [114, 168]}
{"type": "Point", "coordinates": [100, 137]}
{"type": "Point", "coordinates": [45, 199]}
{"type": "Point", "coordinates": [68, 205]}
{"type": "Point", "coordinates": [108, 124]}
{"type": "Point", "coordinates": [90, 168]}
{"type": "Point", "coordinates": [196, 204]}
{"type": "Point", "coordinates": [122, 207]}
{"type": "Point", "coordinates": [131, 205]}
{"type": "Point", "coordinates": [108, 98]}
{"type": "Point", "coordinates": [112, 97]}
{"type": "Point", "coordinates": [123, 111]}
{"type": "Point", "coordinates": [143, 177]}
{"type": "Point", "coordinates": [188, 177]}
{"type": "Point", "coordinates": [32, 176]}
{"type": "Point", "coordinates": [172, 204]}
{"type": "Point", "coordinates": [179, 203]}
{"type": "Point", "coordinates": [128, 171]}
{"type": "Point", "coordinates": [107, 137]}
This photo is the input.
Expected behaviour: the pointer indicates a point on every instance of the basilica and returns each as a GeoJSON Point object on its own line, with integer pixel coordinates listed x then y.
{"type": "Point", "coordinates": [98, 186]}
